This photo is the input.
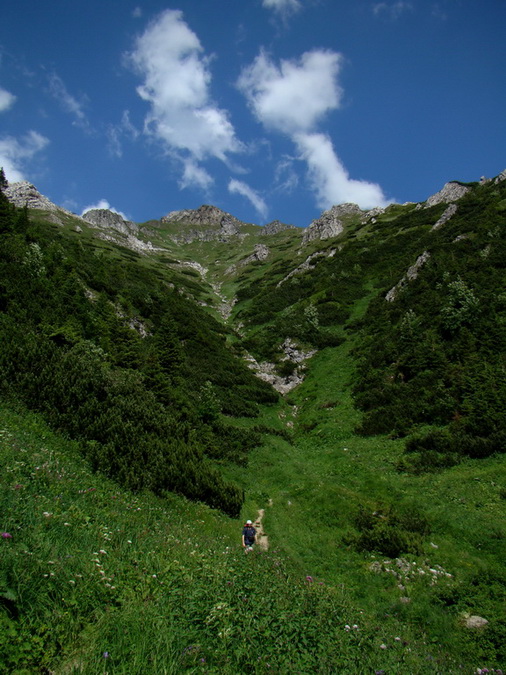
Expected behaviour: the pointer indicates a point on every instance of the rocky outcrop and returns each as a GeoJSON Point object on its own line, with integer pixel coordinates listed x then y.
{"type": "Point", "coordinates": [449, 212]}
{"type": "Point", "coordinates": [276, 226]}
{"type": "Point", "coordinates": [410, 275]}
{"type": "Point", "coordinates": [330, 223]}
{"type": "Point", "coordinates": [501, 177]}
{"type": "Point", "coordinates": [450, 192]}
{"type": "Point", "coordinates": [220, 225]}
{"type": "Point", "coordinates": [260, 254]}
{"type": "Point", "coordinates": [206, 215]}
{"type": "Point", "coordinates": [25, 194]}
{"type": "Point", "coordinates": [266, 371]}
{"type": "Point", "coordinates": [105, 219]}
{"type": "Point", "coordinates": [309, 263]}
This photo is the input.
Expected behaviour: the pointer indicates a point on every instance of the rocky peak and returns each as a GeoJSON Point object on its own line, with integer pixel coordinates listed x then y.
{"type": "Point", "coordinates": [276, 226]}
{"type": "Point", "coordinates": [450, 192]}
{"type": "Point", "coordinates": [24, 193]}
{"type": "Point", "coordinates": [205, 215]}
{"type": "Point", "coordinates": [330, 223]}
{"type": "Point", "coordinates": [103, 218]}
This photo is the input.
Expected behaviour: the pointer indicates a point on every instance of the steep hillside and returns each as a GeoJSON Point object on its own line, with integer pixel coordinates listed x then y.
{"type": "Point", "coordinates": [380, 467]}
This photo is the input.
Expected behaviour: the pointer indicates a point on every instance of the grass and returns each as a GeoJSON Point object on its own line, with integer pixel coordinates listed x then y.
{"type": "Point", "coordinates": [96, 579]}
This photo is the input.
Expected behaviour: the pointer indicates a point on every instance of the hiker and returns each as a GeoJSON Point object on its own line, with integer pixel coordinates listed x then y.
{"type": "Point", "coordinates": [248, 536]}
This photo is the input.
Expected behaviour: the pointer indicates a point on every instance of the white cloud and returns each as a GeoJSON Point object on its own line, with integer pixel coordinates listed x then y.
{"type": "Point", "coordinates": [283, 7]}
{"type": "Point", "coordinates": [116, 132]}
{"type": "Point", "coordinates": [239, 187]}
{"type": "Point", "coordinates": [194, 174]}
{"type": "Point", "coordinates": [285, 176]}
{"type": "Point", "coordinates": [391, 10]}
{"type": "Point", "coordinates": [176, 80]}
{"type": "Point", "coordinates": [329, 178]}
{"type": "Point", "coordinates": [15, 153]}
{"type": "Point", "coordinates": [103, 204]}
{"type": "Point", "coordinates": [68, 102]}
{"type": "Point", "coordinates": [293, 98]}
{"type": "Point", "coordinates": [6, 99]}
{"type": "Point", "coordinates": [297, 94]}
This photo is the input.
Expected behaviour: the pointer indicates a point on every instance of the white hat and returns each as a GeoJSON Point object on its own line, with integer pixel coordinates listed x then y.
{"type": "Point", "coordinates": [248, 522]}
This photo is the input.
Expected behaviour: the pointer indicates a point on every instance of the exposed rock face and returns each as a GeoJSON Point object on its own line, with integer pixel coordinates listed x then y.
{"type": "Point", "coordinates": [276, 226]}
{"type": "Point", "coordinates": [266, 371]}
{"type": "Point", "coordinates": [329, 224]}
{"type": "Point", "coordinates": [104, 218]}
{"type": "Point", "coordinates": [501, 177]}
{"type": "Point", "coordinates": [309, 263]}
{"type": "Point", "coordinates": [223, 224]}
{"type": "Point", "coordinates": [474, 622]}
{"type": "Point", "coordinates": [410, 275]}
{"type": "Point", "coordinates": [25, 194]}
{"type": "Point", "coordinates": [205, 215]}
{"type": "Point", "coordinates": [449, 212]}
{"type": "Point", "coordinates": [451, 192]}
{"type": "Point", "coordinates": [259, 254]}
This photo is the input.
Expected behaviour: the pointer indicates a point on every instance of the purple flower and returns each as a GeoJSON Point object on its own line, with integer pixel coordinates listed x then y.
{"type": "Point", "coordinates": [105, 655]}
{"type": "Point", "coordinates": [379, 672]}
{"type": "Point", "coordinates": [6, 535]}
{"type": "Point", "coordinates": [309, 579]}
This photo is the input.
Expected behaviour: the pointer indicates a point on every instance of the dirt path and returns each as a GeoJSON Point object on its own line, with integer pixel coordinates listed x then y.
{"type": "Point", "coordinates": [261, 538]}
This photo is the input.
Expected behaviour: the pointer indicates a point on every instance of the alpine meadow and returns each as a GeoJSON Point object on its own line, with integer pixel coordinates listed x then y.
{"type": "Point", "coordinates": [342, 385]}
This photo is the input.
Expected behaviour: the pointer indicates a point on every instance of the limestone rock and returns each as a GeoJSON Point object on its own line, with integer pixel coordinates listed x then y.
{"type": "Point", "coordinates": [501, 177]}
{"type": "Point", "coordinates": [276, 226]}
{"type": "Point", "coordinates": [450, 192]}
{"type": "Point", "coordinates": [474, 622]}
{"type": "Point", "coordinates": [410, 275]}
{"type": "Point", "coordinates": [260, 253]}
{"type": "Point", "coordinates": [329, 224]}
{"type": "Point", "coordinates": [104, 218]}
{"type": "Point", "coordinates": [205, 215]}
{"type": "Point", "coordinates": [449, 212]}
{"type": "Point", "coordinates": [221, 225]}
{"type": "Point", "coordinates": [24, 193]}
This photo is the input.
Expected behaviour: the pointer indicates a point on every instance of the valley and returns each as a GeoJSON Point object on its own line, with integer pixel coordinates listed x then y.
{"type": "Point", "coordinates": [135, 440]}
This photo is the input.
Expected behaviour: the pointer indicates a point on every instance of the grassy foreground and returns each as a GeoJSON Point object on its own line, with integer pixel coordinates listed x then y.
{"type": "Point", "coordinates": [97, 580]}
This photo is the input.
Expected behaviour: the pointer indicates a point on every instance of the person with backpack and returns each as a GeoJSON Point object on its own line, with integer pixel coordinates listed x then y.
{"type": "Point", "coordinates": [248, 536]}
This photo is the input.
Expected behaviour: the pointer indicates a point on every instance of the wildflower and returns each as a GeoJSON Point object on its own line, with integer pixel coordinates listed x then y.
{"type": "Point", "coordinates": [6, 535]}
{"type": "Point", "coordinates": [309, 579]}
{"type": "Point", "coordinates": [105, 655]}
{"type": "Point", "coordinates": [379, 672]}
{"type": "Point", "coordinates": [47, 515]}
{"type": "Point", "coordinates": [397, 639]}
{"type": "Point", "coordinates": [383, 646]}
{"type": "Point", "coordinates": [102, 551]}
{"type": "Point", "coordinates": [346, 628]}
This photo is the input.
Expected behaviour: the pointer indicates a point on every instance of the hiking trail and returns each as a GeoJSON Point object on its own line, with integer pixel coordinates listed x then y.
{"type": "Point", "coordinates": [262, 538]}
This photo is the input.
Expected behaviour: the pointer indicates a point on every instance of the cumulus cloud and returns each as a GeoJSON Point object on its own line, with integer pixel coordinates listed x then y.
{"type": "Point", "coordinates": [295, 95]}
{"type": "Point", "coordinates": [103, 204]}
{"type": "Point", "coordinates": [6, 99]}
{"type": "Point", "coordinates": [328, 177]}
{"type": "Point", "coordinates": [68, 102]}
{"type": "Point", "coordinates": [283, 7]}
{"type": "Point", "coordinates": [293, 98]}
{"type": "Point", "coordinates": [391, 10]}
{"type": "Point", "coordinates": [239, 187]}
{"type": "Point", "coordinates": [16, 152]}
{"type": "Point", "coordinates": [176, 85]}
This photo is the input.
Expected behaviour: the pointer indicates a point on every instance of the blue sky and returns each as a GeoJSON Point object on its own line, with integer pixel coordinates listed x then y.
{"type": "Point", "coordinates": [269, 109]}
